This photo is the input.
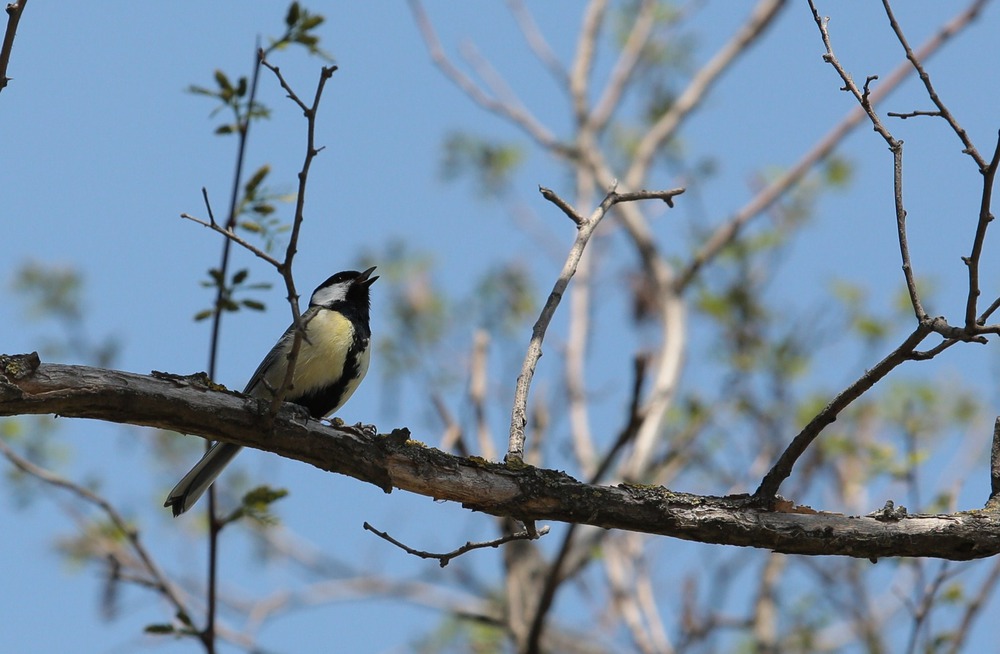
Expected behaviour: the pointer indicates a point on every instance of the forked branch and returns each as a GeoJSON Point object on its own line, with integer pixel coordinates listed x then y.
{"type": "Point", "coordinates": [585, 229]}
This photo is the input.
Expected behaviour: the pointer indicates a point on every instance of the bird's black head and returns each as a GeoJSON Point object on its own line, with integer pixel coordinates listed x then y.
{"type": "Point", "coordinates": [349, 287]}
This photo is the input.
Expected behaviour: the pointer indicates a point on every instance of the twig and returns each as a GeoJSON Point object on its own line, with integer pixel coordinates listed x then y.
{"type": "Point", "coordinates": [689, 99]}
{"type": "Point", "coordinates": [631, 593]}
{"type": "Point", "coordinates": [514, 112]}
{"type": "Point", "coordinates": [515, 449]}
{"type": "Point", "coordinates": [972, 261]}
{"type": "Point", "coordinates": [14, 11]}
{"type": "Point", "coordinates": [972, 330]}
{"type": "Point", "coordinates": [770, 194]}
{"type": "Point", "coordinates": [445, 559]}
{"type": "Point", "coordinates": [771, 482]}
{"type": "Point", "coordinates": [566, 208]}
{"type": "Point", "coordinates": [234, 237]}
{"type": "Point", "coordinates": [583, 60]}
{"type": "Point", "coordinates": [961, 632]}
{"type": "Point", "coordinates": [911, 114]}
{"type": "Point", "coordinates": [625, 67]}
{"type": "Point", "coordinates": [863, 96]}
{"type": "Point", "coordinates": [536, 41]}
{"type": "Point", "coordinates": [159, 581]}
{"type": "Point", "coordinates": [969, 148]}
{"type": "Point", "coordinates": [285, 268]}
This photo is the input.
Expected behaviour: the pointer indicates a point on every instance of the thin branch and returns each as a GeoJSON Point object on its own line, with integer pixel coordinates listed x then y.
{"type": "Point", "coordinates": [666, 126]}
{"type": "Point", "coordinates": [970, 149]}
{"type": "Point", "coordinates": [285, 268]}
{"type": "Point", "coordinates": [863, 97]}
{"type": "Point", "coordinates": [445, 558]}
{"type": "Point", "coordinates": [477, 393]}
{"type": "Point", "coordinates": [208, 634]}
{"type": "Point", "coordinates": [911, 114]}
{"type": "Point", "coordinates": [631, 596]}
{"type": "Point", "coordinates": [515, 113]}
{"type": "Point", "coordinates": [728, 231]}
{"type": "Point", "coordinates": [985, 218]}
{"type": "Point", "coordinates": [234, 237]}
{"type": "Point", "coordinates": [566, 207]}
{"type": "Point", "coordinates": [583, 60]}
{"type": "Point", "coordinates": [625, 67]}
{"type": "Point", "coordinates": [768, 488]}
{"type": "Point", "coordinates": [515, 449]}
{"type": "Point", "coordinates": [537, 43]}
{"type": "Point", "coordinates": [973, 608]}
{"type": "Point", "coordinates": [904, 248]}
{"type": "Point", "coordinates": [14, 11]}
{"type": "Point", "coordinates": [157, 580]}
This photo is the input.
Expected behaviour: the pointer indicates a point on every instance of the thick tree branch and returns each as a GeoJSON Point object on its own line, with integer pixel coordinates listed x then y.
{"type": "Point", "coordinates": [186, 404]}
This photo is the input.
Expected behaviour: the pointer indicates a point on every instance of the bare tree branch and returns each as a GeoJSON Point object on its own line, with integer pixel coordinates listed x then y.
{"type": "Point", "coordinates": [14, 11]}
{"type": "Point", "coordinates": [625, 66]}
{"type": "Point", "coordinates": [445, 558]}
{"type": "Point", "coordinates": [155, 578]}
{"type": "Point", "coordinates": [515, 448]}
{"type": "Point", "coordinates": [523, 492]}
{"type": "Point", "coordinates": [770, 194]}
{"type": "Point", "coordinates": [513, 112]}
{"type": "Point", "coordinates": [985, 218]}
{"type": "Point", "coordinates": [583, 60]}
{"type": "Point", "coordinates": [942, 111]}
{"type": "Point", "coordinates": [665, 127]}
{"type": "Point", "coordinates": [536, 41]}
{"type": "Point", "coordinates": [783, 467]}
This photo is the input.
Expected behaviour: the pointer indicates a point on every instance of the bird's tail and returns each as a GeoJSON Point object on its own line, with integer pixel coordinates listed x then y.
{"type": "Point", "coordinates": [196, 482]}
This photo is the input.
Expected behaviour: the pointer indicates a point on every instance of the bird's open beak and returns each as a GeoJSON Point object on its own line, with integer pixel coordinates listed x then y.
{"type": "Point", "coordinates": [365, 278]}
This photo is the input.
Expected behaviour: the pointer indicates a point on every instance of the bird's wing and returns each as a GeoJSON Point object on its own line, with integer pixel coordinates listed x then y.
{"type": "Point", "coordinates": [272, 368]}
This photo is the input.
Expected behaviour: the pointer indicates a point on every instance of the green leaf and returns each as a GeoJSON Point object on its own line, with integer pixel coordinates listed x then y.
{"type": "Point", "coordinates": [225, 129]}
{"type": "Point", "coordinates": [307, 40]}
{"type": "Point", "coordinates": [254, 304]}
{"type": "Point", "coordinates": [256, 179]}
{"type": "Point", "coordinates": [312, 21]}
{"type": "Point", "coordinates": [223, 82]}
{"type": "Point", "coordinates": [292, 17]}
{"type": "Point", "coordinates": [160, 629]}
{"type": "Point", "coordinates": [201, 90]}
{"type": "Point", "coordinates": [203, 314]}
{"type": "Point", "coordinates": [240, 276]}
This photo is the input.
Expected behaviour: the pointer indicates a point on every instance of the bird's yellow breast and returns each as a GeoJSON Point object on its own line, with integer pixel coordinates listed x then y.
{"type": "Point", "coordinates": [329, 336]}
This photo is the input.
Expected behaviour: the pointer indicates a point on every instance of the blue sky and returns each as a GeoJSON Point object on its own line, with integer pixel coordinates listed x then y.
{"type": "Point", "coordinates": [101, 150]}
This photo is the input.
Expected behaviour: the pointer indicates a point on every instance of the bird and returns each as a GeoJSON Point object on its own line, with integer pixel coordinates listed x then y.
{"type": "Point", "coordinates": [333, 359]}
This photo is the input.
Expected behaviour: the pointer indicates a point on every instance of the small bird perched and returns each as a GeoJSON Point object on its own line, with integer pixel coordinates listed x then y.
{"type": "Point", "coordinates": [333, 359]}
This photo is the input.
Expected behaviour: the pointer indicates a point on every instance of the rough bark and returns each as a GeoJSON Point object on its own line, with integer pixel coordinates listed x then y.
{"type": "Point", "coordinates": [192, 404]}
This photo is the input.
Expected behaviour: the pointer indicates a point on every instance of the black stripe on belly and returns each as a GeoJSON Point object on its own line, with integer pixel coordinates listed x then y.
{"type": "Point", "coordinates": [324, 401]}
